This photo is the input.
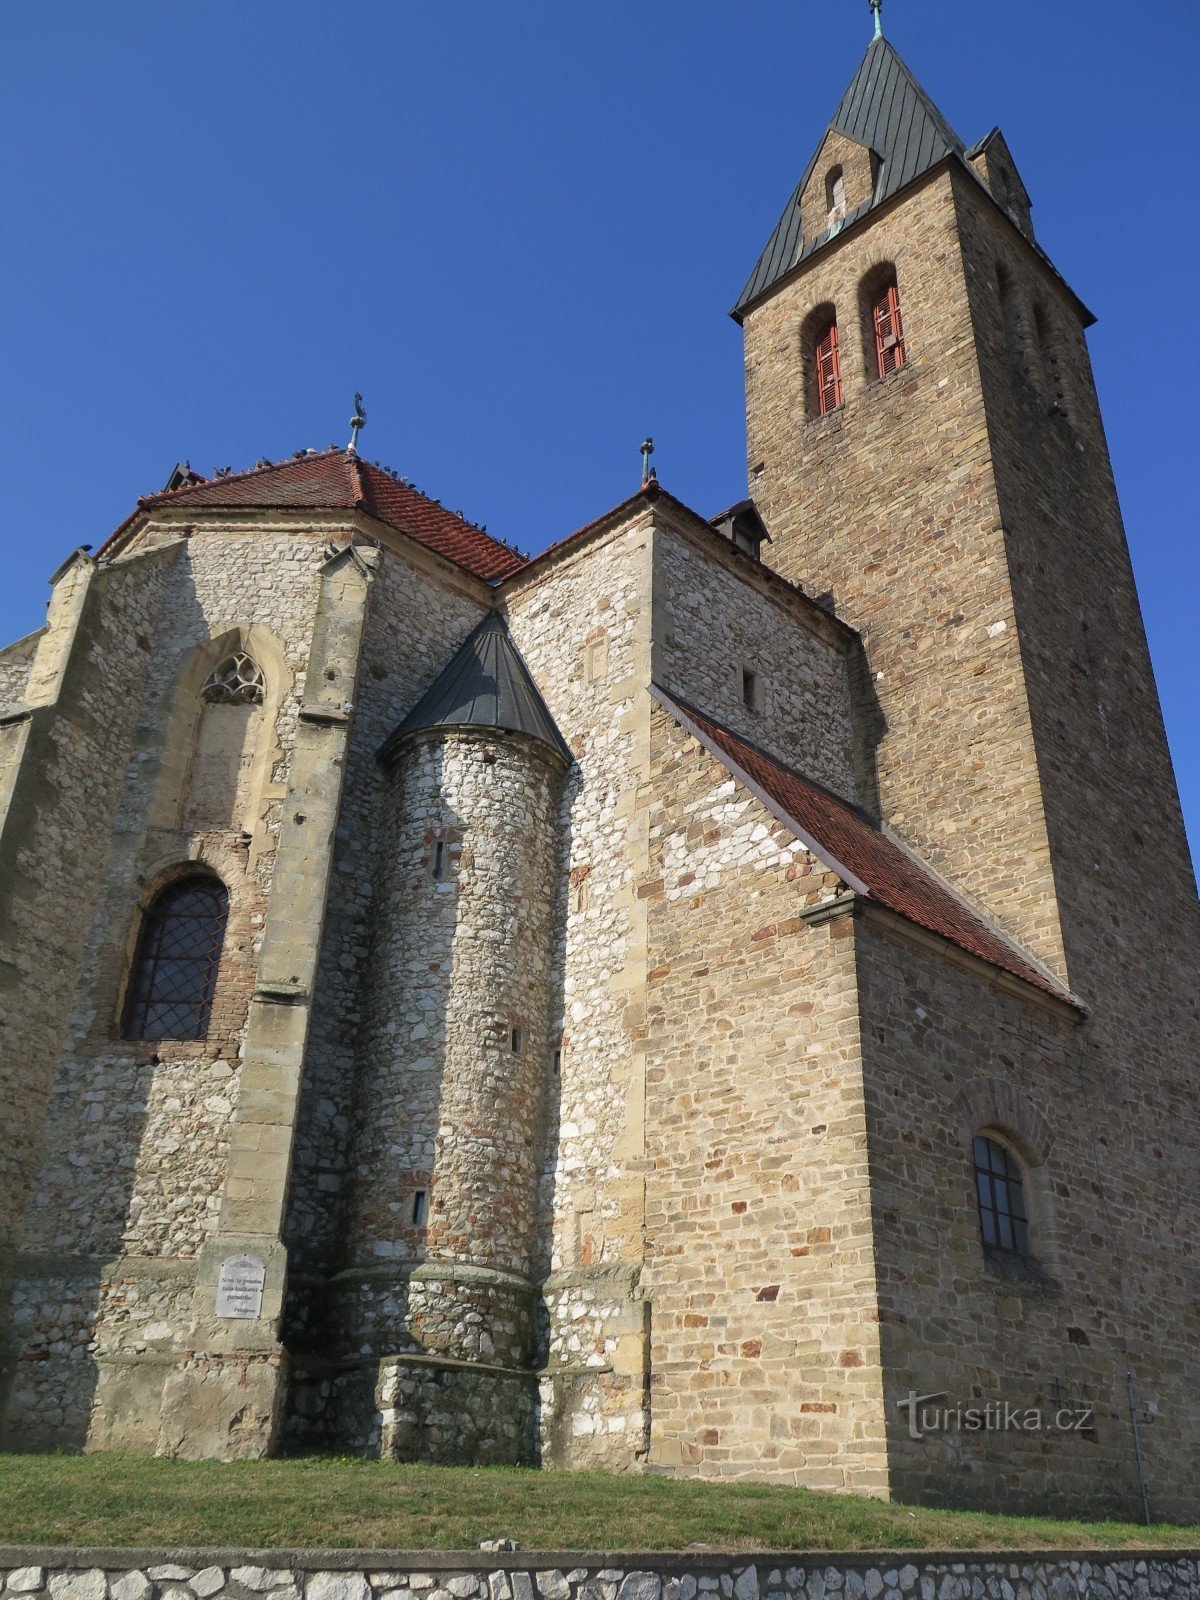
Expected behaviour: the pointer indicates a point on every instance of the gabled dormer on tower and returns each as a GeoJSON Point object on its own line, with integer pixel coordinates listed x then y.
{"type": "Point", "coordinates": [993, 161]}
{"type": "Point", "coordinates": [885, 134]}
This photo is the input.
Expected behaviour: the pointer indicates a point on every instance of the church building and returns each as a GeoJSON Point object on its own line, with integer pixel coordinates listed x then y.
{"type": "Point", "coordinates": [716, 998]}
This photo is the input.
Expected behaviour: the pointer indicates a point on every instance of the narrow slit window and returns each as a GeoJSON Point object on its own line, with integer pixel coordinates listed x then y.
{"type": "Point", "coordinates": [749, 689]}
{"type": "Point", "coordinates": [828, 370]}
{"type": "Point", "coordinates": [557, 1063]}
{"type": "Point", "coordinates": [835, 195]}
{"type": "Point", "coordinates": [889, 331]}
{"type": "Point", "coordinates": [420, 1208]}
{"type": "Point", "coordinates": [439, 861]}
{"type": "Point", "coordinates": [1000, 1190]}
{"type": "Point", "coordinates": [516, 1039]}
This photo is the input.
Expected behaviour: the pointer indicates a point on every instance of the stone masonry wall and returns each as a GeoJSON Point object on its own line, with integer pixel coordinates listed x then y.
{"type": "Point", "coordinates": [765, 1340]}
{"type": "Point", "coordinates": [888, 504]}
{"type": "Point", "coordinates": [454, 1061]}
{"type": "Point", "coordinates": [948, 1055]}
{"type": "Point", "coordinates": [16, 661]}
{"type": "Point", "coordinates": [712, 621]}
{"type": "Point", "coordinates": [132, 1153]}
{"type": "Point", "coordinates": [352, 1575]}
{"type": "Point", "coordinates": [419, 614]}
{"type": "Point", "coordinates": [457, 1050]}
{"type": "Point", "coordinates": [583, 625]}
{"type": "Point", "coordinates": [81, 689]}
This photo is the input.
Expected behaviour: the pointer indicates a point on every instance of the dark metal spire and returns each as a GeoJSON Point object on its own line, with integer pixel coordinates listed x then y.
{"type": "Point", "coordinates": [648, 472]}
{"type": "Point", "coordinates": [357, 422]}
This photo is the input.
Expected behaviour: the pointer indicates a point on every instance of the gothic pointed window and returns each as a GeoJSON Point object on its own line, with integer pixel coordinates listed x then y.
{"type": "Point", "coordinates": [1000, 1191]}
{"type": "Point", "coordinates": [236, 682]}
{"type": "Point", "coordinates": [827, 368]}
{"type": "Point", "coordinates": [178, 955]}
{"type": "Point", "coordinates": [888, 330]}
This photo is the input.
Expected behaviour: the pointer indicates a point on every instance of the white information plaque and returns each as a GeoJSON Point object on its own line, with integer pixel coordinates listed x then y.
{"type": "Point", "coordinates": [240, 1286]}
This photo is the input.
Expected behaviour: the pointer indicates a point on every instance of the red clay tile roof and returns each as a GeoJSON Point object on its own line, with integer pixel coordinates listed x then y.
{"type": "Point", "coordinates": [335, 479]}
{"type": "Point", "coordinates": [854, 847]}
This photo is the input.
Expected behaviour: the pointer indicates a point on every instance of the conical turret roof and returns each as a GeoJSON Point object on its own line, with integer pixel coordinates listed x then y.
{"type": "Point", "coordinates": [486, 684]}
{"type": "Point", "coordinates": [888, 111]}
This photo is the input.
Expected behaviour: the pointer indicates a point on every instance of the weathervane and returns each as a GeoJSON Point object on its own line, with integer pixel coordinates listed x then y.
{"type": "Point", "coordinates": [357, 421]}
{"type": "Point", "coordinates": [877, 8]}
{"type": "Point", "coordinates": [648, 473]}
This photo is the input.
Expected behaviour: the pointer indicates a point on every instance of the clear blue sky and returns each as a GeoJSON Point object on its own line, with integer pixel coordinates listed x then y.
{"type": "Point", "coordinates": [517, 228]}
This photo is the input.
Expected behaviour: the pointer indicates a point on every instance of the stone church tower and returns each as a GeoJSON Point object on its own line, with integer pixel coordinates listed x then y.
{"type": "Point", "coordinates": [662, 1005]}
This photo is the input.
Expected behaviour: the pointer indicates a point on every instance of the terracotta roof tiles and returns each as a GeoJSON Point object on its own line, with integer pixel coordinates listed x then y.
{"type": "Point", "coordinates": [338, 479]}
{"type": "Point", "coordinates": [858, 849]}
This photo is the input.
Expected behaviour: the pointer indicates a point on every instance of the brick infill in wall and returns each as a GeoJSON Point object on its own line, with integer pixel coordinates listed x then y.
{"type": "Point", "coordinates": [492, 1574]}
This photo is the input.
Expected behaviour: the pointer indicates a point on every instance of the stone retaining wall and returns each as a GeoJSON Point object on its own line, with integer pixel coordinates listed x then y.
{"type": "Point", "coordinates": [383, 1575]}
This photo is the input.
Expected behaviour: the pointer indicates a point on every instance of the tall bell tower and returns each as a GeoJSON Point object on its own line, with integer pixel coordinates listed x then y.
{"type": "Point", "coordinates": [926, 447]}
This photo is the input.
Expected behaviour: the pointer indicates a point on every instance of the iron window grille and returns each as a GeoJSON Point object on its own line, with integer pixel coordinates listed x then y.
{"type": "Point", "coordinates": [178, 955]}
{"type": "Point", "coordinates": [1003, 1218]}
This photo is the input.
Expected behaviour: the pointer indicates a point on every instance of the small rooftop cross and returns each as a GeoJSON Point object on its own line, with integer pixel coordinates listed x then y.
{"type": "Point", "coordinates": [357, 421]}
{"type": "Point", "coordinates": [648, 472]}
{"type": "Point", "coordinates": [877, 8]}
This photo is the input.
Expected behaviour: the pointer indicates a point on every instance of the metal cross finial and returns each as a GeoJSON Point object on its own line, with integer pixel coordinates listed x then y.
{"type": "Point", "coordinates": [648, 472]}
{"type": "Point", "coordinates": [877, 8]}
{"type": "Point", "coordinates": [357, 421]}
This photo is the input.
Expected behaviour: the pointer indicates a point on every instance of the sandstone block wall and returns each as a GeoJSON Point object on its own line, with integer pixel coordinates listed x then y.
{"type": "Point", "coordinates": [713, 620]}
{"type": "Point", "coordinates": [889, 506]}
{"type": "Point", "coordinates": [765, 1339]}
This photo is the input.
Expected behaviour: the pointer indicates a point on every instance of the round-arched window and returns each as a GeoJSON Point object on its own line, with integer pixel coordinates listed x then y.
{"type": "Point", "coordinates": [1000, 1189]}
{"type": "Point", "coordinates": [179, 952]}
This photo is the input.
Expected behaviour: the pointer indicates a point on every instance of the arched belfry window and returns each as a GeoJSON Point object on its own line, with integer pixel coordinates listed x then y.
{"type": "Point", "coordinates": [887, 327]}
{"type": "Point", "coordinates": [1000, 1190]}
{"type": "Point", "coordinates": [237, 681]}
{"type": "Point", "coordinates": [174, 975]}
{"type": "Point", "coordinates": [827, 367]}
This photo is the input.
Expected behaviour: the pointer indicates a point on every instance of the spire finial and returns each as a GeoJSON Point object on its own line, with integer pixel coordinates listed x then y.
{"type": "Point", "coordinates": [357, 421]}
{"type": "Point", "coordinates": [877, 8]}
{"type": "Point", "coordinates": [648, 472]}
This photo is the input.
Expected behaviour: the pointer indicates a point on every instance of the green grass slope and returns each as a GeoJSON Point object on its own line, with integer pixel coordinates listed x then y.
{"type": "Point", "coordinates": [129, 1500]}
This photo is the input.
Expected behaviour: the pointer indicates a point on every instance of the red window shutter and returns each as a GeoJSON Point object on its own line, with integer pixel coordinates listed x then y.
{"type": "Point", "coordinates": [829, 372]}
{"type": "Point", "coordinates": [889, 332]}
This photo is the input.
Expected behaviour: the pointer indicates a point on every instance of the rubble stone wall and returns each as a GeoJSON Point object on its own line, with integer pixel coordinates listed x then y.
{"type": "Point", "coordinates": [349, 1575]}
{"type": "Point", "coordinates": [583, 626]}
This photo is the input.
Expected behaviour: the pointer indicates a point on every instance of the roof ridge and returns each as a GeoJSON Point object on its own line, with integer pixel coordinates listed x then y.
{"type": "Point", "coordinates": [240, 477]}
{"type": "Point", "coordinates": [928, 103]}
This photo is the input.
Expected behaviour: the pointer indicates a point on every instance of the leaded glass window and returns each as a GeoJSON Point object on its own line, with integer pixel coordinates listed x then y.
{"type": "Point", "coordinates": [236, 682]}
{"type": "Point", "coordinates": [1000, 1189]}
{"type": "Point", "coordinates": [179, 952]}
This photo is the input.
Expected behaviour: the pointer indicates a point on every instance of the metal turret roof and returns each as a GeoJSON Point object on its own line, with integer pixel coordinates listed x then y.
{"type": "Point", "coordinates": [486, 684]}
{"type": "Point", "coordinates": [885, 109]}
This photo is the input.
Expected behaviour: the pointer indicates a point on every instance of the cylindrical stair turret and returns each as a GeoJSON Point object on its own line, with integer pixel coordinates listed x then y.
{"type": "Point", "coordinates": [456, 1054]}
